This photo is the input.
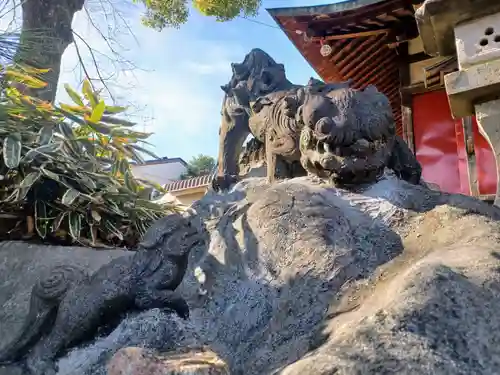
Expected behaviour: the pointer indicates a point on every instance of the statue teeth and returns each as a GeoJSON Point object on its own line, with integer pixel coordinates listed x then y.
{"type": "Point", "coordinates": [326, 147]}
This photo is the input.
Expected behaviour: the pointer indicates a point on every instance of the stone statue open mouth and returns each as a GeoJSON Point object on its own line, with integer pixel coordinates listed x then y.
{"type": "Point", "coordinates": [346, 163]}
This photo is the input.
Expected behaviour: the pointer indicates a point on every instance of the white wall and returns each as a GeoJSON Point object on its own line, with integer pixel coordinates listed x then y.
{"type": "Point", "coordinates": [160, 173]}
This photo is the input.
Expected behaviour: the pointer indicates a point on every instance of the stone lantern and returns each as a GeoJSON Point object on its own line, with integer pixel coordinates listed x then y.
{"type": "Point", "coordinates": [471, 30]}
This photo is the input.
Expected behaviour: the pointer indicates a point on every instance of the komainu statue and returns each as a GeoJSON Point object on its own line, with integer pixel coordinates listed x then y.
{"type": "Point", "coordinates": [333, 130]}
{"type": "Point", "coordinates": [68, 307]}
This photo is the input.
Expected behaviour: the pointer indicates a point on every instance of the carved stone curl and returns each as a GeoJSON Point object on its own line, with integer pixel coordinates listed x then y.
{"type": "Point", "coordinates": [68, 307]}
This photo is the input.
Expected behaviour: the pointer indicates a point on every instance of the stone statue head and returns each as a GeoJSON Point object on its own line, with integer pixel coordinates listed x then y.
{"type": "Point", "coordinates": [258, 72]}
{"type": "Point", "coordinates": [346, 134]}
{"type": "Point", "coordinates": [173, 233]}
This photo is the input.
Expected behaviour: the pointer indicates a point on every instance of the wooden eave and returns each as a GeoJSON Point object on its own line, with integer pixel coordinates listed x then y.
{"type": "Point", "coordinates": [362, 34]}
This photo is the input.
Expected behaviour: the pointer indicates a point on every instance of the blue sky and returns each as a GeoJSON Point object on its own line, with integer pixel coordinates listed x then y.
{"type": "Point", "coordinates": [176, 90]}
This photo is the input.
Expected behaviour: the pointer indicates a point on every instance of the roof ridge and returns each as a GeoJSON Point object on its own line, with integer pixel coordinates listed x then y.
{"type": "Point", "coordinates": [193, 182]}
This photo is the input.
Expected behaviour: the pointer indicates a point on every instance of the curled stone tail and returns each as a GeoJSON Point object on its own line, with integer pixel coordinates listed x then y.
{"type": "Point", "coordinates": [40, 316]}
{"type": "Point", "coordinates": [46, 296]}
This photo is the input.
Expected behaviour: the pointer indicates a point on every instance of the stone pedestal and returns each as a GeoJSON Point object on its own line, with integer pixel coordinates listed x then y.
{"type": "Point", "coordinates": [488, 120]}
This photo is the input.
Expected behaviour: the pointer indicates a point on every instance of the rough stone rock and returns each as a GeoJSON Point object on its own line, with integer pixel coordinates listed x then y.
{"type": "Point", "coordinates": [140, 361]}
{"type": "Point", "coordinates": [302, 278]}
{"type": "Point", "coordinates": [154, 329]}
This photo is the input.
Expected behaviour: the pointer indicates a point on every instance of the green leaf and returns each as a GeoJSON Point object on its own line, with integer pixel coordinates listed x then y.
{"type": "Point", "coordinates": [114, 109]}
{"type": "Point", "coordinates": [152, 184]}
{"type": "Point", "coordinates": [129, 181]}
{"type": "Point", "coordinates": [87, 181]}
{"type": "Point", "coordinates": [49, 150]}
{"type": "Point", "coordinates": [56, 224]}
{"type": "Point", "coordinates": [75, 109]}
{"type": "Point", "coordinates": [72, 117]}
{"type": "Point", "coordinates": [96, 216]}
{"type": "Point", "coordinates": [113, 229]}
{"type": "Point", "coordinates": [75, 225]}
{"type": "Point", "coordinates": [93, 234]}
{"type": "Point", "coordinates": [142, 149]}
{"type": "Point", "coordinates": [69, 197]}
{"type": "Point", "coordinates": [74, 95]}
{"type": "Point", "coordinates": [134, 154]}
{"type": "Point", "coordinates": [45, 135]}
{"type": "Point", "coordinates": [100, 127]}
{"type": "Point", "coordinates": [149, 205]}
{"type": "Point", "coordinates": [123, 166]}
{"type": "Point", "coordinates": [117, 121]}
{"type": "Point", "coordinates": [49, 174]}
{"type": "Point", "coordinates": [66, 130]}
{"type": "Point", "coordinates": [41, 218]}
{"type": "Point", "coordinates": [89, 94]}
{"type": "Point", "coordinates": [22, 193]}
{"type": "Point", "coordinates": [98, 111]}
{"type": "Point", "coordinates": [29, 180]}
{"type": "Point", "coordinates": [12, 150]}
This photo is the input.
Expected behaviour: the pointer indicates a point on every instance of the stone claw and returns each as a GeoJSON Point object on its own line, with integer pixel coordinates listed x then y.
{"type": "Point", "coordinates": [181, 307]}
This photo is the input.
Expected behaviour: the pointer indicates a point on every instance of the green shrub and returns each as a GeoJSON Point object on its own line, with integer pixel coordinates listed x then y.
{"type": "Point", "coordinates": [65, 169]}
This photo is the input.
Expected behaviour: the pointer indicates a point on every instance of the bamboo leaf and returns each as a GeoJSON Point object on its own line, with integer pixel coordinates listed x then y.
{"type": "Point", "coordinates": [45, 135]}
{"type": "Point", "coordinates": [66, 130]}
{"type": "Point", "coordinates": [152, 184]}
{"type": "Point", "coordinates": [93, 234]}
{"type": "Point", "coordinates": [149, 205]}
{"type": "Point", "coordinates": [47, 150]}
{"type": "Point", "coordinates": [74, 95]}
{"type": "Point", "coordinates": [26, 79]}
{"type": "Point", "coordinates": [75, 109]}
{"type": "Point", "coordinates": [12, 150]}
{"type": "Point", "coordinates": [41, 218]}
{"type": "Point", "coordinates": [75, 225]}
{"type": "Point", "coordinates": [56, 224]}
{"type": "Point", "coordinates": [114, 109]}
{"type": "Point", "coordinates": [72, 117]}
{"type": "Point", "coordinates": [129, 181]}
{"type": "Point", "coordinates": [49, 174]}
{"type": "Point", "coordinates": [98, 111]}
{"type": "Point", "coordinates": [123, 166]}
{"type": "Point", "coordinates": [146, 151]}
{"type": "Point", "coordinates": [113, 229]}
{"type": "Point", "coordinates": [98, 127]}
{"type": "Point", "coordinates": [96, 216]}
{"type": "Point", "coordinates": [22, 193]}
{"type": "Point", "coordinates": [29, 180]}
{"type": "Point", "coordinates": [69, 196]}
{"type": "Point", "coordinates": [117, 121]}
{"type": "Point", "coordinates": [89, 94]}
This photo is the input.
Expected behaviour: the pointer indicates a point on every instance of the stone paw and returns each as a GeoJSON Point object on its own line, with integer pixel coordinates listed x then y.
{"type": "Point", "coordinates": [223, 183]}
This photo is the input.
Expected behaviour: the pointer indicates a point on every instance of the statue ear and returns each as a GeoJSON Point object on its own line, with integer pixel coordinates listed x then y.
{"type": "Point", "coordinates": [260, 103]}
{"type": "Point", "coordinates": [225, 88]}
{"type": "Point", "coordinates": [291, 105]}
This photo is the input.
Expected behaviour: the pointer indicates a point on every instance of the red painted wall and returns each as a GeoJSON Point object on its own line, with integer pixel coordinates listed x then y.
{"type": "Point", "coordinates": [485, 163]}
{"type": "Point", "coordinates": [443, 159]}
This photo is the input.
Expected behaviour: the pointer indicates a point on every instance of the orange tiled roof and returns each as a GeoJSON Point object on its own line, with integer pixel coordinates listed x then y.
{"type": "Point", "coordinates": [194, 182]}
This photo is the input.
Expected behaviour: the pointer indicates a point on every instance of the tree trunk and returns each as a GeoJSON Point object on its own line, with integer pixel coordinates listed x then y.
{"type": "Point", "coordinates": [45, 35]}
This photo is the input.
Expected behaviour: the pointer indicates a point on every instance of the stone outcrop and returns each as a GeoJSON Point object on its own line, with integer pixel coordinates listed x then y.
{"type": "Point", "coordinates": [192, 361]}
{"type": "Point", "coordinates": [302, 278]}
